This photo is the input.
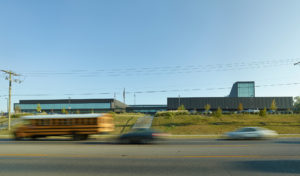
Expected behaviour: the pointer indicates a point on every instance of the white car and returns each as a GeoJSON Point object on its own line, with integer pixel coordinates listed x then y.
{"type": "Point", "coordinates": [251, 133]}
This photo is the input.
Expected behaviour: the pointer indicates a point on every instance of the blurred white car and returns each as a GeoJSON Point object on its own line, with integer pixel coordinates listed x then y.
{"type": "Point", "coordinates": [251, 133]}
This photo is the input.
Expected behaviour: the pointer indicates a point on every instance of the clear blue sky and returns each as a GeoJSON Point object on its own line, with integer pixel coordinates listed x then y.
{"type": "Point", "coordinates": [95, 48]}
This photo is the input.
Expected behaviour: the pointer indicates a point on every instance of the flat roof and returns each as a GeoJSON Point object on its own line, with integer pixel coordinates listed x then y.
{"type": "Point", "coordinates": [62, 116]}
{"type": "Point", "coordinates": [53, 101]}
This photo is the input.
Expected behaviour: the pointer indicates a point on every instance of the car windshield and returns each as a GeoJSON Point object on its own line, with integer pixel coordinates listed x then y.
{"type": "Point", "coordinates": [246, 129]}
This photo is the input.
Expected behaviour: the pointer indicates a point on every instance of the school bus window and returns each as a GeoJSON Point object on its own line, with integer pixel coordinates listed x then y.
{"type": "Point", "coordinates": [57, 122]}
{"type": "Point", "coordinates": [86, 121]}
{"type": "Point", "coordinates": [46, 122]}
{"type": "Point", "coordinates": [78, 121]}
{"type": "Point", "coordinates": [69, 121]}
{"type": "Point", "coordinates": [33, 122]}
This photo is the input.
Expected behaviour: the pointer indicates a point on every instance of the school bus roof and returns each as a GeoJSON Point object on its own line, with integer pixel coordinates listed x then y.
{"type": "Point", "coordinates": [62, 116]}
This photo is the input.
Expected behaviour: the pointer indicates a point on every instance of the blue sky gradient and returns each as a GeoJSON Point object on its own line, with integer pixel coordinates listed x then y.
{"type": "Point", "coordinates": [95, 48]}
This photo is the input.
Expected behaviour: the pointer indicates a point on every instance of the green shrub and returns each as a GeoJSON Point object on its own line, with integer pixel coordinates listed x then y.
{"type": "Point", "coordinates": [263, 112]}
{"type": "Point", "coordinates": [171, 113]}
{"type": "Point", "coordinates": [182, 112]}
{"type": "Point", "coordinates": [218, 113]}
{"type": "Point", "coordinates": [181, 107]}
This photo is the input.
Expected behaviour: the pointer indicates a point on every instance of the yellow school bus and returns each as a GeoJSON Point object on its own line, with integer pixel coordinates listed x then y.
{"type": "Point", "coordinates": [78, 126]}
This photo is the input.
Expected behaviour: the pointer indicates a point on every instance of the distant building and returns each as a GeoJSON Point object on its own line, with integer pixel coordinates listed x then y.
{"type": "Point", "coordinates": [72, 105]}
{"type": "Point", "coordinates": [86, 106]}
{"type": "Point", "coordinates": [230, 103]}
{"type": "Point", "coordinates": [243, 89]}
{"type": "Point", "coordinates": [241, 92]}
{"type": "Point", "coordinates": [146, 109]}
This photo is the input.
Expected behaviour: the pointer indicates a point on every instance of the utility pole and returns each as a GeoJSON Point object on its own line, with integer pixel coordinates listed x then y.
{"type": "Point", "coordinates": [124, 96]}
{"type": "Point", "coordinates": [9, 78]}
{"type": "Point", "coordinates": [134, 97]}
{"type": "Point", "coordinates": [179, 100]}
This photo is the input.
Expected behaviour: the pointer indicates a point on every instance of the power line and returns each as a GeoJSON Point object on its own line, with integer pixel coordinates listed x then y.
{"type": "Point", "coordinates": [166, 70]}
{"type": "Point", "coordinates": [158, 91]}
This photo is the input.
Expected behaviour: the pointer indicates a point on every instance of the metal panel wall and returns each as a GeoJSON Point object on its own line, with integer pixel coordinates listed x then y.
{"type": "Point", "coordinates": [230, 103]}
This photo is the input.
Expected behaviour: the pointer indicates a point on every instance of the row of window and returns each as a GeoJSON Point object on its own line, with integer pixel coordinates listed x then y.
{"type": "Point", "coordinates": [57, 122]}
{"type": "Point", "coordinates": [65, 106]}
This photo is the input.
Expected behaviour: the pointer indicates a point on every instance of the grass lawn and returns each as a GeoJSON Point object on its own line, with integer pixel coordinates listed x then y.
{"type": "Point", "coordinates": [204, 125]}
{"type": "Point", "coordinates": [198, 124]}
{"type": "Point", "coordinates": [124, 122]}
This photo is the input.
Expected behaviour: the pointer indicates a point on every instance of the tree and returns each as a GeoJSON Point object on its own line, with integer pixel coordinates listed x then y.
{"type": "Point", "coordinates": [240, 107]}
{"type": "Point", "coordinates": [17, 109]}
{"type": "Point", "coordinates": [63, 111]}
{"type": "Point", "coordinates": [181, 107]}
{"type": "Point", "coordinates": [207, 108]}
{"type": "Point", "coordinates": [38, 108]}
{"type": "Point", "coordinates": [297, 104]}
{"type": "Point", "coordinates": [218, 112]}
{"type": "Point", "coordinates": [273, 105]}
{"type": "Point", "coordinates": [263, 112]}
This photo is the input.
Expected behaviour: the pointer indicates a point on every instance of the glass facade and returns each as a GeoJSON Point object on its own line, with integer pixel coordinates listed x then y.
{"type": "Point", "coordinates": [243, 89]}
{"type": "Point", "coordinates": [147, 109]}
{"type": "Point", "coordinates": [246, 89]}
{"type": "Point", "coordinates": [65, 106]}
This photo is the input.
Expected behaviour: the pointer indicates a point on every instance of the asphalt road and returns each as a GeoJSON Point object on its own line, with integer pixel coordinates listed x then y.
{"type": "Point", "coordinates": [167, 158]}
